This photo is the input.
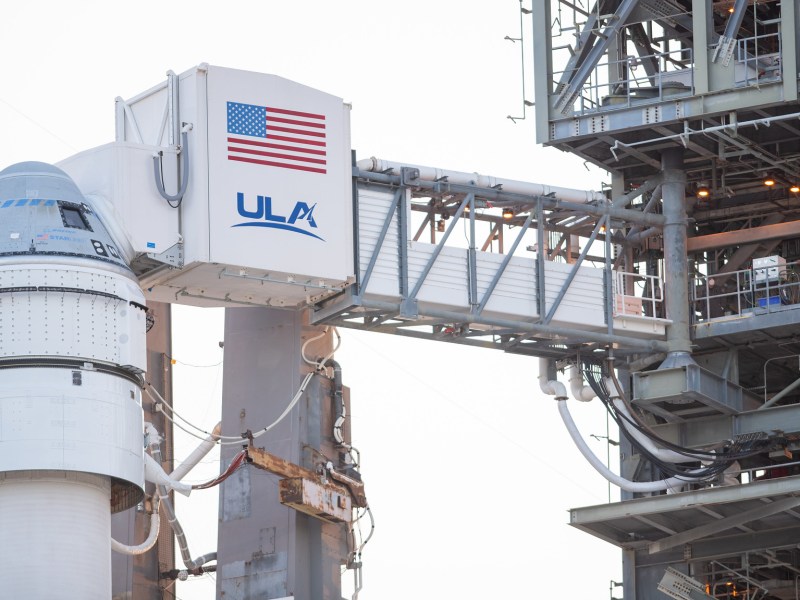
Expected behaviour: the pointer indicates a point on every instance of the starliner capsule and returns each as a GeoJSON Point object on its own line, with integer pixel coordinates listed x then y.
{"type": "Point", "coordinates": [72, 351]}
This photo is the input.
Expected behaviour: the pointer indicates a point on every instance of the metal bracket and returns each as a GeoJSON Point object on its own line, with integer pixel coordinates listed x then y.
{"type": "Point", "coordinates": [172, 256]}
{"type": "Point", "coordinates": [408, 175]}
{"type": "Point", "coordinates": [409, 309]}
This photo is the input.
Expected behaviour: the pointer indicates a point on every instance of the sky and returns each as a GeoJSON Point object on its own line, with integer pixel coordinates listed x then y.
{"type": "Point", "coordinates": [489, 472]}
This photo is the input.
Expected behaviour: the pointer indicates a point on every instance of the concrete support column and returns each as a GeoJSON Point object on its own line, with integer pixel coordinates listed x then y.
{"type": "Point", "coordinates": [267, 550]}
{"type": "Point", "coordinates": [676, 278]}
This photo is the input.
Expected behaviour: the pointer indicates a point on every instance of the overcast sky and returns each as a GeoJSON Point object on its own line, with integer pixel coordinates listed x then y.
{"type": "Point", "coordinates": [486, 470]}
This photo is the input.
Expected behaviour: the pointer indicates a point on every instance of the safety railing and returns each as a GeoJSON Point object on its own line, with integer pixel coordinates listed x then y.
{"type": "Point", "coordinates": [758, 59]}
{"type": "Point", "coordinates": [746, 292]}
{"type": "Point", "coordinates": [673, 76]}
{"type": "Point", "coordinates": [637, 295]}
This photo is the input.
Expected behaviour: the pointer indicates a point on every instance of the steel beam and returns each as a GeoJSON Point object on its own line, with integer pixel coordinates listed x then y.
{"type": "Point", "coordinates": [744, 236]}
{"type": "Point", "coordinates": [747, 516]}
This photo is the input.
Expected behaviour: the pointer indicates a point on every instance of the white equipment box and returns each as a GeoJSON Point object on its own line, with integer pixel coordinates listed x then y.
{"type": "Point", "coordinates": [769, 268]}
{"type": "Point", "coordinates": [267, 217]}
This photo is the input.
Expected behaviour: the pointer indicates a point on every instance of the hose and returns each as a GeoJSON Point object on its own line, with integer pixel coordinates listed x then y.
{"type": "Point", "coordinates": [152, 537]}
{"type": "Point", "coordinates": [154, 444]}
{"type": "Point", "coordinates": [621, 482]}
{"type": "Point", "coordinates": [197, 455]}
{"type": "Point", "coordinates": [159, 175]}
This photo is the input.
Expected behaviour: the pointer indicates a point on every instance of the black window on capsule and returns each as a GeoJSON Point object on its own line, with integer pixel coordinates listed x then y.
{"type": "Point", "coordinates": [72, 215]}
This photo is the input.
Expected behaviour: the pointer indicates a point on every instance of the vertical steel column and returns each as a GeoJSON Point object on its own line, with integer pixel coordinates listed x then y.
{"type": "Point", "coordinates": [403, 213]}
{"type": "Point", "coordinates": [676, 278]}
{"type": "Point", "coordinates": [541, 288]}
{"type": "Point", "coordinates": [265, 549]}
{"type": "Point", "coordinates": [472, 258]}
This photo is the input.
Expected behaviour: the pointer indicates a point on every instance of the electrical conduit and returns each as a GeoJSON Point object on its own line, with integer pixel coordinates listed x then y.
{"type": "Point", "coordinates": [660, 453]}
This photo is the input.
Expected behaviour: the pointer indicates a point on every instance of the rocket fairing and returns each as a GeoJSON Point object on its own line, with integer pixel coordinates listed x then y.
{"type": "Point", "coordinates": [72, 350]}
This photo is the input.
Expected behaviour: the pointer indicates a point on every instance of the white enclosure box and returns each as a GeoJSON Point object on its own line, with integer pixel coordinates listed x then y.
{"type": "Point", "coordinates": [768, 268]}
{"type": "Point", "coordinates": [267, 217]}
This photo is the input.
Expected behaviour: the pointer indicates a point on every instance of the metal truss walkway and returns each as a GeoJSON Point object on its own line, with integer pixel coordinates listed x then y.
{"type": "Point", "coordinates": [548, 303]}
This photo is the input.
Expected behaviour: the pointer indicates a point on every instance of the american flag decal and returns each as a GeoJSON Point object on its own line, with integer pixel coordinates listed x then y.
{"type": "Point", "coordinates": [277, 137]}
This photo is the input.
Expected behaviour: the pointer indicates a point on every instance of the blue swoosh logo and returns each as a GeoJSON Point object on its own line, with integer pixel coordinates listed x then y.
{"type": "Point", "coordinates": [278, 226]}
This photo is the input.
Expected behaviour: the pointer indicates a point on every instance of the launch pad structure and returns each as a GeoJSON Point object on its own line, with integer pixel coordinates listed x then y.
{"type": "Point", "coordinates": [673, 297]}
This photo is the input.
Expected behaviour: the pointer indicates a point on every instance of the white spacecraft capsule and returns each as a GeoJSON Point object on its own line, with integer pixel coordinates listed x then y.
{"type": "Point", "coordinates": [72, 351]}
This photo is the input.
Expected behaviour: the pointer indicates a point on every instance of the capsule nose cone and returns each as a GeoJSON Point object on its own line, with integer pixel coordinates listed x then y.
{"type": "Point", "coordinates": [37, 179]}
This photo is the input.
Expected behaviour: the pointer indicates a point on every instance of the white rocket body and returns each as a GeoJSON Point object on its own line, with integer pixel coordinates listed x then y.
{"type": "Point", "coordinates": [72, 347]}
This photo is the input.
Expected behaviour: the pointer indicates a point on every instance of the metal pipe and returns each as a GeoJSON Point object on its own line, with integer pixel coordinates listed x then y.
{"type": "Point", "coordinates": [640, 236]}
{"type": "Point", "coordinates": [766, 364]}
{"type": "Point", "coordinates": [501, 198]}
{"type": "Point", "coordinates": [676, 279]}
{"type": "Point", "coordinates": [688, 132]}
{"type": "Point", "coordinates": [626, 199]}
{"type": "Point", "coordinates": [784, 392]}
{"type": "Point", "coordinates": [646, 361]}
{"type": "Point", "coordinates": [487, 181]}
{"type": "Point", "coordinates": [655, 198]}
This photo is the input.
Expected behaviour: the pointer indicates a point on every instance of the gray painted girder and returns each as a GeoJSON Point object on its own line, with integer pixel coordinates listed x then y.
{"type": "Point", "coordinates": [267, 550]}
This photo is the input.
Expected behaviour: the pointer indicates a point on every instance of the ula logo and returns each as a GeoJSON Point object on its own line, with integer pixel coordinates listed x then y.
{"type": "Point", "coordinates": [301, 219]}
